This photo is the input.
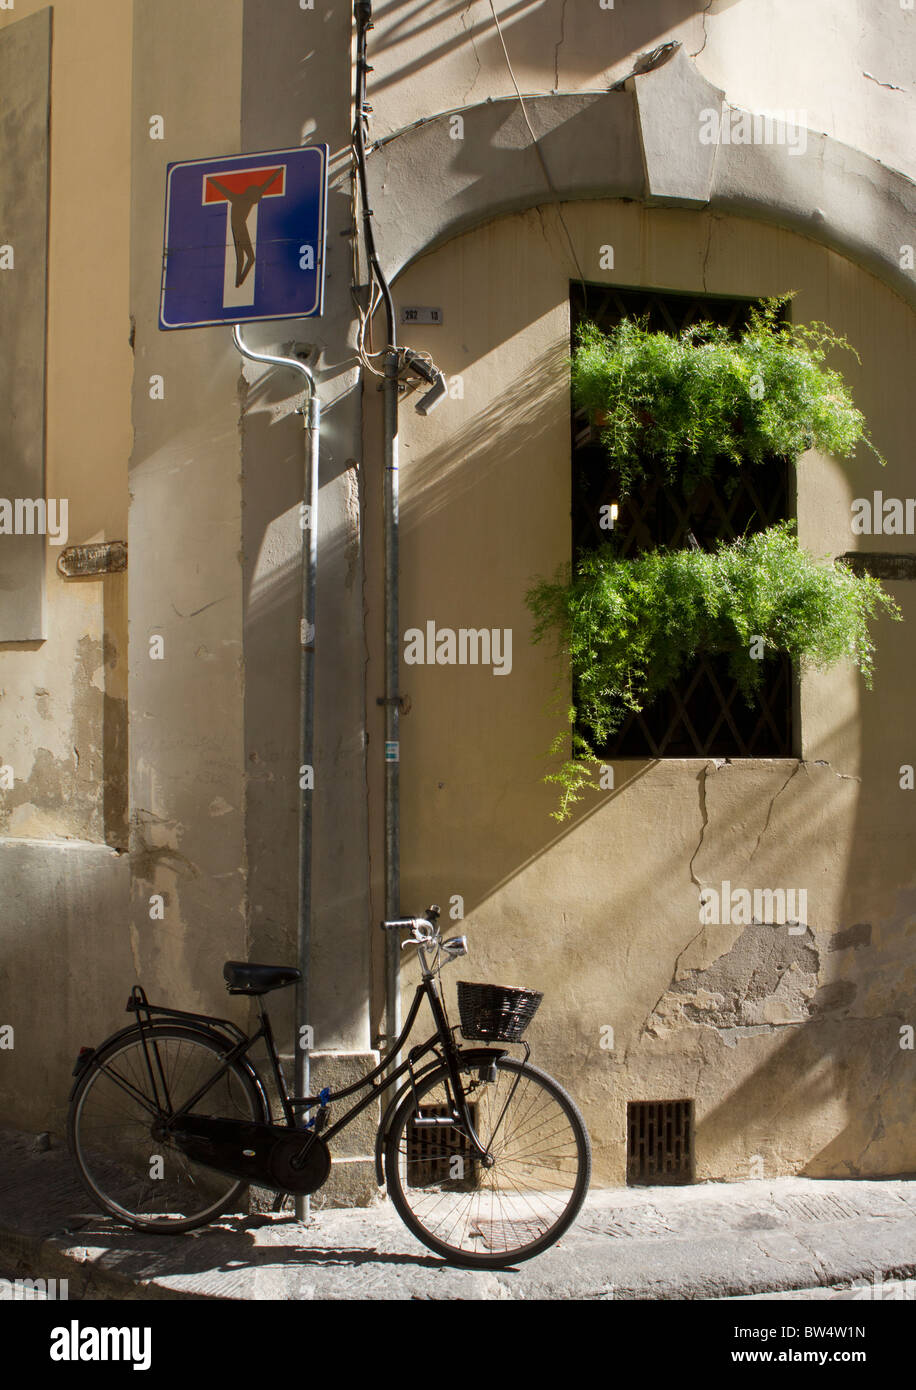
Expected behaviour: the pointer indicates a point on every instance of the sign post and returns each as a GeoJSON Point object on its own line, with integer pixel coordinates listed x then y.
{"type": "Point", "coordinates": [245, 240]}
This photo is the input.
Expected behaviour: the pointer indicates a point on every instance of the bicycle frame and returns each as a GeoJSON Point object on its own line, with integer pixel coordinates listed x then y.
{"type": "Point", "coordinates": [442, 1043]}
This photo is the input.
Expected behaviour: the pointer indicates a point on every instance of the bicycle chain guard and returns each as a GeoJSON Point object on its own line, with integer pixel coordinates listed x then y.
{"type": "Point", "coordinates": [272, 1156]}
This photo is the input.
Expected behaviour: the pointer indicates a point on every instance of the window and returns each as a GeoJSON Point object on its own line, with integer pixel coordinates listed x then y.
{"type": "Point", "coordinates": [702, 714]}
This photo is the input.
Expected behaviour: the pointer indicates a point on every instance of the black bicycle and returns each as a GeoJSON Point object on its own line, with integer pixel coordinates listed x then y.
{"type": "Point", "coordinates": [486, 1158]}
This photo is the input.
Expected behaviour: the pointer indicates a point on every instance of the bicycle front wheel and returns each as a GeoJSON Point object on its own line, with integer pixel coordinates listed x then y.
{"type": "Point", "coordinates": [116, 1132]}
{"type": "Point", "coordinates": [483, 1216]}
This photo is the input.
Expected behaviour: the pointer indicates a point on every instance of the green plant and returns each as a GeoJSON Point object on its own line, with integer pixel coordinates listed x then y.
{"type": "Point", "coordinates": [680, 403]}
{"type": "Point", "coordinates": [629, 627]}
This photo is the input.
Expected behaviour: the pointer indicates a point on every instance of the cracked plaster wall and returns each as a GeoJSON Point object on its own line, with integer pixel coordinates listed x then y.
{"type": "Point", "coordinates": [63, 700]}
{"type": "Point", "coordinates": [607, 911]}
{"type": "Point", "coordinates": [789, 1044]}
{"type": "Point", "coordinates": [849, 67]}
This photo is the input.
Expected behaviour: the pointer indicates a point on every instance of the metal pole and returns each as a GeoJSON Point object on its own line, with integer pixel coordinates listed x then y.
{"type": "Point", "coordinates": [363, 12]}
{"type": "Point", "coordinates": [309, 523]}
{"type": "Point", "coordinates": [392, 703]}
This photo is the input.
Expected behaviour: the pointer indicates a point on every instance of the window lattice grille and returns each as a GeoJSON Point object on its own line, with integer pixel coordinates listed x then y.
{"type": "Point", "coordinates": [702, 714]}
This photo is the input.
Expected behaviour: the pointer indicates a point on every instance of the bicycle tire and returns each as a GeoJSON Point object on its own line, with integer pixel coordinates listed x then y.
{"type": "Point", "coordinates": [125, 1155]}
{"type": "Point", "coordinates": [482, 1231]}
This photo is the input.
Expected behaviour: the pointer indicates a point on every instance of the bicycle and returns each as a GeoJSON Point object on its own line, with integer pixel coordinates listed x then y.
{"type": "Point", "coordinates": [486, 1159]}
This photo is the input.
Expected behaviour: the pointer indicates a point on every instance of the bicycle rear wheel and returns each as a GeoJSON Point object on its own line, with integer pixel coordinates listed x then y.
{"type": "Point", "coordinates": [489, 1217]}
{"type": "Point", "coordinates": [125, 1158]}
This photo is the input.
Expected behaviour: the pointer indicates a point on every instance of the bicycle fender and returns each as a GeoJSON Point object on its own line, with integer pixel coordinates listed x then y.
{"type": "Point", "coordinates": [213, 1033]}
{"type": "Point", "coordinates": [468, 1054]}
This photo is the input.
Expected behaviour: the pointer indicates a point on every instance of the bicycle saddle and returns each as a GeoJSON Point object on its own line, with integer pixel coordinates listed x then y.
{"type": "Point", "coordinates": [243, 977]}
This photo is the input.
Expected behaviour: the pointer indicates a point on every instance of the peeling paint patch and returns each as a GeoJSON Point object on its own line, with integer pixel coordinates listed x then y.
{"type": "Point", "coordinates": [732, 1036]}
{"type": "Point", "coordinates": [767, 979]}
{"type": "Point", "coordinates": [351, 549]}
{"type": "Point", "coordinates": [146, 856]}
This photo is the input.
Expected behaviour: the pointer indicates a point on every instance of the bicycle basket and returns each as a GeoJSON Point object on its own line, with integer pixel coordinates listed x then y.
{"type": "Point", "coordinates": [496, 1013]}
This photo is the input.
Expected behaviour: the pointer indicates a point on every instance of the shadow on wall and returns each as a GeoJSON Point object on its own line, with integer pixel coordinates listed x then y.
{"type": "Point", "coordinates": [495, 440]}
{"type": "Point", "coordinates": [544, 37]}
{"type": "Point", "coordinates": [790, 1037]}
{"type": "Point", "coordinates": [273, 484]}
{"type": "Point", "coordinates": [849, 1057]}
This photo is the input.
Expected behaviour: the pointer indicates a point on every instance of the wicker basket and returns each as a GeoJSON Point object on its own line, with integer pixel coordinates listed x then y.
{"type": "Point", "coordinates": [496, 1013]}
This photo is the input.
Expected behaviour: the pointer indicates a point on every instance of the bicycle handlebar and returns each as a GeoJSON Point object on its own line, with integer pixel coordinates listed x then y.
{"type": "Point", "coordinates": [424, 926]}
{"type": "Point", "coordinates": [424, 932]}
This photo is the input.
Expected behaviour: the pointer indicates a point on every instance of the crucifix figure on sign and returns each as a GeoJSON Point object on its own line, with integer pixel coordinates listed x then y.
{"type": "Point", "coordinates": [241, 201]}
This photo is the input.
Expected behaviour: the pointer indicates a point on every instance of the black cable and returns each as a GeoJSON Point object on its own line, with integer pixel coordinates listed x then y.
{"type": "Point", "coordinates": [363, 13]}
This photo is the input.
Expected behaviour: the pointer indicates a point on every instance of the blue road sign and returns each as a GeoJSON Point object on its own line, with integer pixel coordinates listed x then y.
{"type": "Point", "coordinates": [244, 238]}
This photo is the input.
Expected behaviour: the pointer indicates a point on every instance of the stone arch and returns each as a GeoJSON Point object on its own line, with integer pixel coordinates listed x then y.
{"type": "Point", "coordinates": [641, 141]}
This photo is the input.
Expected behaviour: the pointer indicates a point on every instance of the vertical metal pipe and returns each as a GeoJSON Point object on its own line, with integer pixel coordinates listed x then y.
{"type": "Point", "coordinates": [392, 702]}
{"type": "Point", "coordinates": [307, 631]}
{"type": "Point", "coordinates": [363, 14]}
{"type": "Point", "coordinates": [307, 626]}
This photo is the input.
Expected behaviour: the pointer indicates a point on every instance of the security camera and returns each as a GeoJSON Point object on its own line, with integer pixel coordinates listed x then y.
{"type": "Point", "coordinates": [434, 395]}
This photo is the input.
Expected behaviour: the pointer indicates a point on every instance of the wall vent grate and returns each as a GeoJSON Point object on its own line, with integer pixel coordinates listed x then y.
{"type": "Point", "coordinates": [432, 1152]}
{"type": "Point", "coordinates": [660, 1141]}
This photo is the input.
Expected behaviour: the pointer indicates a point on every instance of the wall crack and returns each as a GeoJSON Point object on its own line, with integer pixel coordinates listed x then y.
{"type": "Point", "coordinates": [470, 34]}
{"type": "Point", "coordinates": [777, 795]}
{"type": "Point", "coordinates": [844, 776]}
{"type": "Point", "coordinates": [889, 85]}
{"type": "Point", "coordinates": [707, 7]}
{"type": "Point", "coordinates": [704, 813]}
{"type": "Point", "coordinates": [556, 52]}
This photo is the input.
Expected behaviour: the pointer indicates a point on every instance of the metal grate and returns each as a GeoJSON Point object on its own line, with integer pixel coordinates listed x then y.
{"type": "Point", "coordinates": [432, 1151]}
{"type": "Point", "coordinates": [701, 715]}
{"type": "Point", "coordinates": [660, 1141]}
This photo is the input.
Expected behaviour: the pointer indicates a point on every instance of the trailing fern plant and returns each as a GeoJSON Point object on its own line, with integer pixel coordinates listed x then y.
{"type": "Point", "coordinates": [629, 627]}
{"type": "Point", "coordinates": [681, 403]}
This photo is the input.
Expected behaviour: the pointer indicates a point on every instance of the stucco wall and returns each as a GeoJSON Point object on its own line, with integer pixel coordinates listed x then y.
{"type": "Point", "coordinates": [605, 912]}
{"type": "Point", "coordinates": [848, 67]}
{"type": "Point", "coordinates": [296, 83]}
{"type": "Point", "coordinates": [789, 1044]}
{"type": "Point", "coordinates": [186, 697]}
{"type": "Point", "coordinates": [63, 706]}
{"type": "Point", "coordinates": [217, 479]}
{"type": "Point", "coordinates": [63, 711]}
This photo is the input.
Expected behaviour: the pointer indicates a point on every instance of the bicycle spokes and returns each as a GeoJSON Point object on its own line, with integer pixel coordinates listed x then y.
{"type": "Point", "coordinates": [498, 1207]}
{"type": "Point", "coordinates": [122, 1141]}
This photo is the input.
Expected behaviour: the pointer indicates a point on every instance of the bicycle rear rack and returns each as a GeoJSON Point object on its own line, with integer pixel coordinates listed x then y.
{"type": "Point", "coordinates": [138, 1004]}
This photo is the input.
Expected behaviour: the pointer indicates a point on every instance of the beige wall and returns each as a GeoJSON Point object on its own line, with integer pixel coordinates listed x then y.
{"type": "Point", "coordinates": [63, 708]}
{"type": "Point", "coordinates": [603, 913]}
{"type": "Point", "coordinates": [187, 755]}
{"type": "Point", "coordinates": [848, 67]}
{"type": "Point", "coordinates": [64, 958]}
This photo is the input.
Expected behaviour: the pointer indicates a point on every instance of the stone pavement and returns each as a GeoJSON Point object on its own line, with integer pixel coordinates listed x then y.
{"type": "Point", "coordinates": [708, 1241]}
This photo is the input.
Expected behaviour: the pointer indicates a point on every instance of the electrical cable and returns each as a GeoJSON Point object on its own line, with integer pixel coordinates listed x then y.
{"type": "Point", "coordinates": [379, 289]}
{"type": "Point", "coordinates": [363, 12]}
{"type": "Point", "coordinates": [538, 150]}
